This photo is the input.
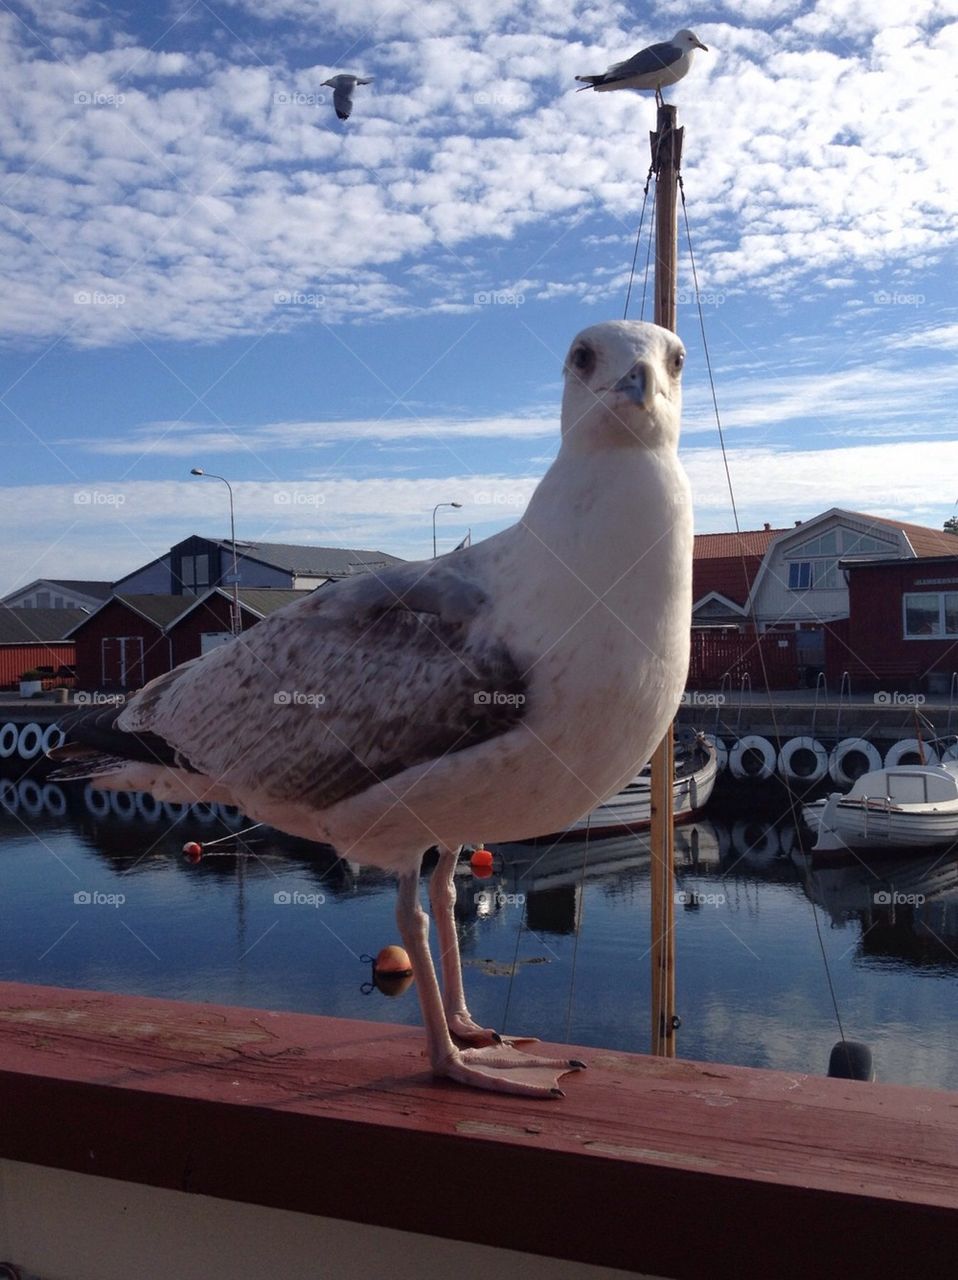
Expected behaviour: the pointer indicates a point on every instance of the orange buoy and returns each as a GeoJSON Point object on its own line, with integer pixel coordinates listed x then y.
{"type": "Point", "coordinates": [393, 962]}
{"type": "Point", "coordinates": [481, 862]}
{"type": "Point", "coordinates": [392, 972]}
{"type": "Point", "coordinates": [193, 850]}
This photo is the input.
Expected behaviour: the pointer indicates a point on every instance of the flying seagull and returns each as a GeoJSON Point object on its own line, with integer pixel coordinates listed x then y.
{"type": "Point", "coordinates": [502, 690]}
{"type": "Point", "coordinates": [342, 87]}
{"type": "Point", "coordinates": [652, 68]}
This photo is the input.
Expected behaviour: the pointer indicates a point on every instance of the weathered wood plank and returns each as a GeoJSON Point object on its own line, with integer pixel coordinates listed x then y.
{"type": "Point", "coordinates": [672, 1167]}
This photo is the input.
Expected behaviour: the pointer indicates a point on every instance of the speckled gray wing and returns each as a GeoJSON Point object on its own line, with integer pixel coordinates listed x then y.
{"type": "Point", "coordinates": [343, 100]}
{"type": "Point", "coordinates": [334, 693]}
{"type": "Point", "coordinates": [655, 58]}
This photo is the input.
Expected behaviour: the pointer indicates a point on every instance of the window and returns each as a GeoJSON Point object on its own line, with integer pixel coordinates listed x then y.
{"type": "Point", "coordinates": [43, 600]}
{"type": "Point", "coordinates": [931, 614]}
{"type": "Point", "coordinates": [823, 575]}
{"type": "Point", "coordinates": [799, 575]}
{"type": "Point", "coordinates": [195, 572]}
{"type": "Point", "coordinates": [813, 564]}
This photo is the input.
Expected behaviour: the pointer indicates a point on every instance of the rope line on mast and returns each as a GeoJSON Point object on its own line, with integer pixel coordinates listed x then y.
{"type": "Point", "coordinates": [792, 798]}
{"type": "Point", "coordinates": [638, 238]}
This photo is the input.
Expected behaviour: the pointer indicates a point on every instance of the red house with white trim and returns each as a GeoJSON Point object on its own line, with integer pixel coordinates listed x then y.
{"type": "Point", "coordinates": [903, 623]}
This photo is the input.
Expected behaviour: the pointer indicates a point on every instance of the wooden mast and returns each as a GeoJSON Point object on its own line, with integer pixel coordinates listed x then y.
{"type": "Point", "coordinates": [666, 161]}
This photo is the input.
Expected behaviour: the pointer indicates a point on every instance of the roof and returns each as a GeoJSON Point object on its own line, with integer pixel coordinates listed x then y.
{"type": "Point", "coordinates": [83, 586]}
{"type": "Point", "coordinates": [751, 542]}
{"type": "Point", "coordinates": [924, 540]}
{"type": "Point", "coordinates": [259, 600]}
{"type": "Point", "coordinates": [37, 626]}
{"type": "Point", "coordinates": [898, 562]}
{"type": "Point", "coordinates": [726, 563]}
{"type": "Point", "coordinates": [160, 610]}
{"type": "Point", "coordinates": [266, 600]}
{"type": "Point", "coordinates": [314, 562]}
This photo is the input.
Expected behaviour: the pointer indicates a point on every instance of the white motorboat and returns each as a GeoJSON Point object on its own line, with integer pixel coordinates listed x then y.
{"type": "Point", "coordinates": [913, 807]}
{"type": "Point", "coordinates": [696, 768]}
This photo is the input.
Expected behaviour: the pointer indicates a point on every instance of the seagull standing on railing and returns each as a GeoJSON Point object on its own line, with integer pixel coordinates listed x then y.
{"type": "Point", "coordinates": [652, 68]}
{"type": "Point", "coordinates": [500, 691]}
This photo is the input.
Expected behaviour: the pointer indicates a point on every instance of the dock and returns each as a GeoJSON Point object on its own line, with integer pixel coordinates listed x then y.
{"type": "Point", "coordinates": [796, 713]}
{"type": "Point", "coordinates": [151, 1137]}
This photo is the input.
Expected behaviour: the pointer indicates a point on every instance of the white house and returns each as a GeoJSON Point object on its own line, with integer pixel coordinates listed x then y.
{"type": "Point", "coordinates": [59, 593]}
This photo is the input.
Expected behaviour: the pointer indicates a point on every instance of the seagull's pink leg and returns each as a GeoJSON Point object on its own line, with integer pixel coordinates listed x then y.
{"type": "Point", "coordinates": [442, 899]}
{"type": "Point", "coordinates": [498, 1067]}
{"type": "Point", "coordinates": [414, 930]}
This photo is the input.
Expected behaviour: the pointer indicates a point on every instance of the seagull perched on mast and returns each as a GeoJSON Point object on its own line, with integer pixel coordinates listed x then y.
{"type": "Point", "coordinates": [502, 690]}
{"type": "Point", "coordinates": [652, 68]}
{"type": "Point", "coordinates": [342, 87]}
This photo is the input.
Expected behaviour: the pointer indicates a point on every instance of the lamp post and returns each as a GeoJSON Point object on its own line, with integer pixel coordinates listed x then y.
{"type": "Point", "coordinates": [235, 613]}
{"type": "Point", "coordinates": [457, 505]}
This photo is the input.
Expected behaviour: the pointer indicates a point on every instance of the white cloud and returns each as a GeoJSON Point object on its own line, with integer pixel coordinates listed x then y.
{"type": "Point", "coordinates": [903, 479]}
{"type": "Point", "coordinates": [941, 336]}
{"type": "Point", "coordinates": [190, 439]}
{"type": "Point", "coordinates": [105, 528]}
{"type": "Point", "coordinates": [187, 191]}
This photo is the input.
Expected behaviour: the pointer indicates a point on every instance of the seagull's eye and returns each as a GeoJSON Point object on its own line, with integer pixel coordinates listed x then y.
{"type": "Point", "coordinates": [678, 360]}
{"type": "Point", "coordinates": [583, 361]}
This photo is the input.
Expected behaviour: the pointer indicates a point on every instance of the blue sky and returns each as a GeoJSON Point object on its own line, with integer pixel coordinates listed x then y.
{"type": "Point", "coordinates": [353, 322]}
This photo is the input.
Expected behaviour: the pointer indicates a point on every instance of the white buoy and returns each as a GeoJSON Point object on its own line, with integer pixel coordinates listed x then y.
{"type": "Point", "coordinates": [30, 741]}
{"type": "Point", "coordinates": [123, 804]}
{"type": "Point", "coordinates": [756, 841]}
{"type": "Point", "coordinates": [899, 752]}
{"type": "Point", "coordinates": [31, 797]}
{"type": "Point", "coordinates": [53, 737]}
{"type": "Point", "coordinates": [148, 807]}
{"type": "Point", "coordinates": [54, 800]}
{"type": "Point", "coordinates": [752, 757]}
{"type": "Point", "coordinates": [844, 755]}
{"type": "Point", "coordinates": [803, 760]}
{"type": "Point", "coordinates": [9, 795]}
{"type": "Point", "coordinates": [96, 801]}
{"type": "Point", "coordinates": [9, 737]}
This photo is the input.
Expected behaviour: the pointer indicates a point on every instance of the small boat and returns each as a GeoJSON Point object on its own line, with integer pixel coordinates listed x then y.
{"type": "Point", "coordinates": [696, 768]}
{"type": "Point", "coordinates": [914, 806]}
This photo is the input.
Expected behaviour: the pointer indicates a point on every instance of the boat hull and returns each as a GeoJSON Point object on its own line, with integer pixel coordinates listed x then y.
{"type": "Point", "coordinates": [631, 808]}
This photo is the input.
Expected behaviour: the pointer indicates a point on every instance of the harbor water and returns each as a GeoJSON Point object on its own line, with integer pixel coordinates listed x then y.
{"type": "Point", "coordinates": [96, 893]}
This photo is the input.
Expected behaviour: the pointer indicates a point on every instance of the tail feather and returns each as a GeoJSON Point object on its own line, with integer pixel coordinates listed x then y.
{"type": "Point", "coordinates": [590, 82]}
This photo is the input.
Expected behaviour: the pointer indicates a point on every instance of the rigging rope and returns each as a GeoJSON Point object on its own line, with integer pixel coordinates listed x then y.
{"type": "Point", "coordinates": [792, 798]}
{"type": "Point", "coordinates": [638, 237]}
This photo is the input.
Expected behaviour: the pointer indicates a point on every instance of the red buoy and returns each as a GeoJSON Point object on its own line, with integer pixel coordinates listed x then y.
{"type": "Point", "coordinates": [481, 862]}
{"type": "Point", "coordinates": [193, 850]}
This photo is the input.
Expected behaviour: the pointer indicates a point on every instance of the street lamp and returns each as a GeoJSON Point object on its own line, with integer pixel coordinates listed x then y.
{"type": "Point", "coordinates": [235, 613]}
{"type": "Point", "coordinates": [457, 505]}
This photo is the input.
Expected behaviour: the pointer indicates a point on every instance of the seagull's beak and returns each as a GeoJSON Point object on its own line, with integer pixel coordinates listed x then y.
{"type": "Point", "coordinates": [639, 385]}
{"type": "Point", "coordinates": [700, 45]}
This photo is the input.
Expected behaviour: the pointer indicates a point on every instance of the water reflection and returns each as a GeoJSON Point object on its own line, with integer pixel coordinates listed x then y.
{"type": "Point", "coordinates": [562, 914]}
{"type": "Point", "coordinates": [905, 906]}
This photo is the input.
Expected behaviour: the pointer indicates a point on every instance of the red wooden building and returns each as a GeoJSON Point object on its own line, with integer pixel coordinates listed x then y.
{"type": "Point", "coordinates": [206, 623]}
{"type": "Point", "coordinates": [124, 644]}
{"type": "Point", "coordinates": [724, 566]}
{"type": "Point", "coordinates": [132, 639]}
{"type": "Point", "coordinates": [31, 638]}
{"type": "Point", "coordinates": [903, 622]}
